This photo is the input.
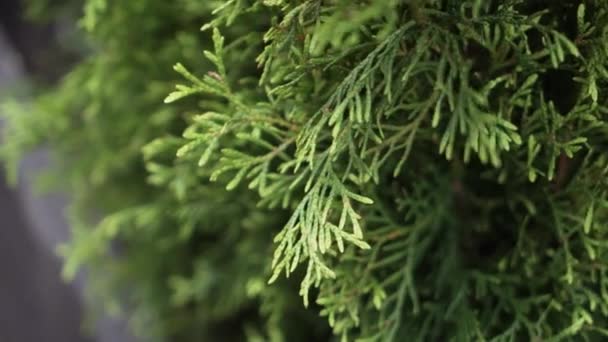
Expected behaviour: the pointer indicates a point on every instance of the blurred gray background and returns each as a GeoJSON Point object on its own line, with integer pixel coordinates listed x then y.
{"type": "Point", "coordinates": [35, 303]}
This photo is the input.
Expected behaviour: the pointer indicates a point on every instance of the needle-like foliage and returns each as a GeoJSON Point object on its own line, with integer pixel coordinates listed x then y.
{"type": "Point", "coordinates": [424, 170]}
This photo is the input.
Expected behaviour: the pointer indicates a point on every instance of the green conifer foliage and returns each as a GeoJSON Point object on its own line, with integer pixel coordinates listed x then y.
{"type": "Point", "coordinates": [421, 170]}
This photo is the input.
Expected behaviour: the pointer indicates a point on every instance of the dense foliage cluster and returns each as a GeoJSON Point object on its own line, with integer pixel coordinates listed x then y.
{"type": "Point", "coordinates": [424, 170]}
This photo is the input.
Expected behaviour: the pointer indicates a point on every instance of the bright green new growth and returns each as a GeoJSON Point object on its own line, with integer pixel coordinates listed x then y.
{"type": "Point", "coordinates": [425, 170]}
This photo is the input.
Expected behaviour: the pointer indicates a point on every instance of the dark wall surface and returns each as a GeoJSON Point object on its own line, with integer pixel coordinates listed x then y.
{"type": "Point", "coordinates": [35, 304]}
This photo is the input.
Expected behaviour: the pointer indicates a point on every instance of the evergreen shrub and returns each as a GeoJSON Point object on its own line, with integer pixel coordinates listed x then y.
{"type": "Point", "coordinates": [355, 170]}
